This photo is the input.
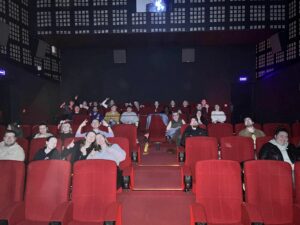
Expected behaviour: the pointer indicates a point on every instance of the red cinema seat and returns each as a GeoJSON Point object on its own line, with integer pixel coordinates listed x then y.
{"type": "Point", "coordinates": [78, 119]}
{"type": "Point", "coordinates": [218, 192]}
{"type": "Point", "coordinates": [47, 193]}
{"type": "Point", "coordinates": [157, 129]}
{"type": "Point", "coordinates": [219, 130]}
{"type": "Point", "coordinates": [270, 128]}
{"type": "Point", "coordinates": [26, 131]}
{"type": "Point", "coordinates": [269, 189]}
{"type": "Point", "coordinates": [94, 199]}
{"type": "Point", "coordinates": [142, 122]}
{"type": "Point", "coordinates": [12, 175]}
{"type": "Point", "coordinates": [126, 165]}
{"type": "Point", "coordinates": [130, 132]}
{"type": "Point", "coordinates": [295, 141]}
{"type": "Point", "coordinates": [241, 126]}
{"type": "Point", "coordinates": [296, 129]}
{"type": "Point", "coordinates": [297, 182]}
{"type": "Point", "coordinates": [37, 144]}
{"type": "Point", "coordinates": [237, 148]}
{"type": "Point", "coordinates": [24, 143]}
{"type": "Point", "coordinates": [197, 149]}
{"type": "Point", "coordinates": [260, 141]}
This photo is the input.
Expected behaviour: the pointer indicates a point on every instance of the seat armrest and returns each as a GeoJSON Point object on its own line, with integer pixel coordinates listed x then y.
{"type": "Point", "coordinates": [198, 216]}
{"type": "Point", "coordinates": [250, 215]}
{"type": "Point", "coordinates": [113, 213]}
{"type": "Point", "coordinates": [62, 214]}
{"type": "Point", "coordinates": [187, 177]}
{"type": "Point", "coordinates": [13, 214]}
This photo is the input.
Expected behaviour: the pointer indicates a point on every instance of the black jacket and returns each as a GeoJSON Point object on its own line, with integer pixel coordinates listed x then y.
{"type": "Point", "coordinates": [75, 152]}
{"type": "Point", "coordinates": [189, 132]}
{"type": "Point", "coordinates": [272, 152]}
{"type": "Point", "coordinates": [41, 155]}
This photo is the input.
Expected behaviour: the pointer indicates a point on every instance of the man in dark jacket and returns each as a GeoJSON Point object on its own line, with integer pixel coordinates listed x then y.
{"type": "Point", "coordinates": [192, 130]}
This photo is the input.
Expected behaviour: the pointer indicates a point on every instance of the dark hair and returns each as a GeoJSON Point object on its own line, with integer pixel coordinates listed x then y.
{"type": "Point", "coordinates": [43, 124]}
{"type": "Point", "coordinates": [91, 131]}
{"type": "Point", "coordinates": [48, 138]}
{"type": "Point", "coordinates": [281, 129]}
{"type": "Point", "coordinates": [10, 132]}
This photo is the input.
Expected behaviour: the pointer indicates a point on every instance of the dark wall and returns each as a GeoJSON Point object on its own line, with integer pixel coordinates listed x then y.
{"type": "Point", "coordinates": [155, 73]}
{"type": "Point", "coordinates": [278, 96]}
{"type": "Point", "coordinates": [24, 90]}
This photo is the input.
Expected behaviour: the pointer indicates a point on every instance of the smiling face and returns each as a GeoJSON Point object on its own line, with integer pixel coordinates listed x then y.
{"type": "Point", "coordinates": [43, 129]}
{"type": "Point", "coordinates": [95, 124]}
{"type": "Point", "coordinates": [9, 139]}
{"type": "Point", "coordinates": [65, 128]}
{"type": "Point", "coordinates": [194, 123]}
{"type": "Point", "coordinates": [282, 138]}
{"type": "Point", "coordinates": [90, 137]}
{"type": "Point", "coordinates": [51, 143]}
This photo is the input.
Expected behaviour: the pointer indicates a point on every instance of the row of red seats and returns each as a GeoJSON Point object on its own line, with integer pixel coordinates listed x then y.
{"type": "Point", "coordinates": [235, 148]}
{"type": "Point", "coordinates": [268, 193]}
{"type": "Point", "coordinates": [47, 194]}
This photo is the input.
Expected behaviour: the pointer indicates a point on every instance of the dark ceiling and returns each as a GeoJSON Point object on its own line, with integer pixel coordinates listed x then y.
{"type": "Point", "coordinates": [159, 39]}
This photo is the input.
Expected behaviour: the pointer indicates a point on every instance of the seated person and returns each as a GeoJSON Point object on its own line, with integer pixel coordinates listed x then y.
{"type": "Point", "coordinates": [16, 128]}
{"type": "Point", "coordinates": [49, 151]}
{"type": "Point", "coordinates": [9, 148]}
{"type": "Point", "coordinates": [200, 119]}
{"type": "Point", "coordinates": [173, 128]}
{"type": "Point", "coordinates": [95, 114]}
{"type": "Point", "coordinates": [185, 109]}
{"type": "Point", "coordinates": [204, 109]}
{"type": "Point", "coordinates": [113, 116]}
{"type": "Point", "coordinates": [80, 149]}
{"type": "Point", "coordinates": [76, 110]}
{"type": "Point", "coordinates": [65, 130]}
{"type": "Point", "coordinates": [163, 116]}
{"type": "Point", "coordinates": [280, 149]}
{"type": "Point", "coordinates": [105, 150]}
{"type": "Point", "coordinates": [95, 126]}
{"type": "Point", "coordinates": [173, 107]}
{"type": "Point", "coordinates": [129, 117]}
{"type": "Point", "coordinates": [250, 130]}
{"type": "Point", "coordinates": [192, 130]}
{"type": "Point", "coordinates": [218, 116]}
{"type": "Point", "coordinates": [43, 132]}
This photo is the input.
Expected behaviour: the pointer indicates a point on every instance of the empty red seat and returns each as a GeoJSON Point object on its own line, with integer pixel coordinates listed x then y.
{"type": "Point", "coordinates": [47, 192]}
{"type": "Point", "coordinates": [26, 131]}
{"type": "Point", "coordinates": [157, 129]}
{"type": "Point", "coordinates": [126, 165]}
{"type": "Point", "coordinates": [296, 129]}
{"type": "Point", "coordinates": [12, 175]}
{"type": "Point", "coordinates": [241, 126]}
{"type": "Point", "coordinates": [218, 192]}
{"type": "Point", "coordinates": [237, 148]}
{"type": "Point", "coordinates": [260, 141]}
{"type": "Point", "coordinates": [270, 128]}
{"type": "Point", "coordinates": [94, 199]}
{"type": "Point", "coordinates": [269, 190]}
{"type": "Point", "coordinates": [219, 130]}
{"type": "Point", "coordinates": [78, 119]}
{"type": "Point", "coordinates": [2, 131]}
{"type": "Point", "coordinates": [130, 132]}
{"type": "Point", "coordinates": [197, 149]}
{"type": "Point", "coordinates": [295, 141]}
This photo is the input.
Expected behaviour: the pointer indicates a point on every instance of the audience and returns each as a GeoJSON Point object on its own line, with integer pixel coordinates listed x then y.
{"type": "Point", "coordinates": [95, 114]}
{"type": "Point", "coordinates": [251, 131]}
{"type": "Point", "coordinates": [200, 119]}
{"type": "Point", "coordinates": [192, 130]}
{"type": "Point", "coordinates": [280, 149]}
{"type": "Point", "coordinates": [129, 117]}
{"type": "Point", "coordinates": [49, 151]}
{"type": "Point", "coordinates": [95, 126]}
{"type": "Point", "coordinates": [173, 128]}
{"type": "Point", "coordinates": [9, 148]}
{"type": "Point", "coordinates": [43, 132]}
{"type": "Point", "coordinates": [185, 109]}
{"type": "Point", "coordinates": [16, 128]}
{"type": "Point", "coordinates": [113, 116]}
{"type": "Point", "coordinates": [204, 109]}
{"type": "Point", "coordinates": [218, 116]}
{"type": "Point", "coordinates": [65, 130]}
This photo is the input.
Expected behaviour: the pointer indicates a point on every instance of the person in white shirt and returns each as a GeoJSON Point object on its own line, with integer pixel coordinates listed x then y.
{"type": "Point", "coordinates": [95, 126]}
{"type": "Point", "coordinates": [9, 149]}
{"type": "Point", "coordinates": [43, 132]}
{"type": "Point", "coordinates": [218, 116]}
{"type": "Point", "coordinates": [129, 117]}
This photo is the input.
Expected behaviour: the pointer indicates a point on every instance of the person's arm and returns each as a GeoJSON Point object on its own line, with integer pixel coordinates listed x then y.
{"type": "Point", "coordinates": [123, 118]}
{"type": "Point", "coordinates": [118, 152]}
{"type": "Point", "coordinates": [184, 135]}
{"type": "Point", "coordinates": [169, 126]}
{"type": "Point", "coordinates": [104, 103]}
{"type": "Point", "coordinates": [213, 117]}
{"type": "Point", "coordinates": [78, 132]}
{"type": "Point", "coordinates": [18, 154]}
{"type": "Point", "coordinates": [183, 122]}
{"type": "Point", "coordinates": [40, 155]}
{"type": "Point", "coordinates": [265, 151]}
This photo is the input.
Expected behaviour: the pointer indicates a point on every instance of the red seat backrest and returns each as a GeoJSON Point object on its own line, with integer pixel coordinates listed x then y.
{"type": "Point", "coordinates": [124, 144]}
{"type": "Point", "coordinates": [219, 190]}
{"type": "Point", "coordinates": [297, 182]}
{"type": "Point", "coordinates": [237, 148]}
{"type": "Point", "coordinates": [269, 188]}
{"type": "Point", "coordinates": [26, 130]}
{"type": "Point", "coordinates": [127, 131]}
{"type": "Point", "coordinates": [260, 141]}
{"type": "Point", "coordinates": [47, 186]}
{"type": "Point", "coordinates": [24, 143]}
{"type": "Point", "coordinates": [78, 119]}
{"type": "Point", "coordinates": [219, 130]}
{"type": "Point", "coordinates": [12, 175]}
{"type": "Point", "coordinates": [270, 128]}
{"type": "Point", "coordinates": [295, 141]}
{"type": "Point", "coordinates": [2, 131]}
{"type": "Point", "coordinates": [157, 129]}
{"type": "Point", "coordinates": [200, 148]}
{"type": "Point", "coordinates": [296, 129]}
{"type": "Point", "coordinates": [91, 196]}
{"type": "Point", "coordinates": [37, 144]}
